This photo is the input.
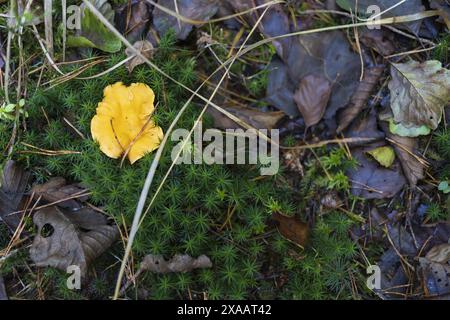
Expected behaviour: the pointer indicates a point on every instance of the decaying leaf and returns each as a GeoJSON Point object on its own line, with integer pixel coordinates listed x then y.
{"type": "Point", "coordinates": [365, 126]}
{"type": "Point", "coordinates": [327, 54]}
{"type": "Point", "coordinates": [280, 90]}
{"type": "Point", "coordinates": [436, 270]}
{"type": "Point", "coordinates": [76, 238]}
{"type": "Point", "coordinates": [405, 149]}
{"type": "Point", "coordinates": [257, 119]}
{"type": "Point", "coordinates": [360, 97]}
{"type": "Point", "coordinates": [381, 40]}
{"type": "Point", "coordinates": [145, 48]}
{"type": "Point", "coordinates": [439, 253]}
{"type": "Point", "coordinates": [56, 189]}
{"type": "Point", "coordinates": [371, 181]}
{"type": "Point", "coordinates": [330, 55]}
{"type": "Point", "coordinates": [123, 123]}
{"type": "Point", "coordinates": [419, 93]}
{"type": "Point", "coordinates": [401, 130]}
{"type": "Point", "coordinates": [312, 97]}
{"type": "Point", "coordinates": [384, 155]}
{"type": "Point", "coordinates": [132, 20]}
{"type": "Point", "coordinates": [179, 263]}
{"type": "Point", "coordinates": [197, 10]}
{"type": "Point", "coordinates": [93, 33]}
{"type": "Point", "coordinates": [292, 228]}
{"type": "Point", "coordinates": [13, 184]}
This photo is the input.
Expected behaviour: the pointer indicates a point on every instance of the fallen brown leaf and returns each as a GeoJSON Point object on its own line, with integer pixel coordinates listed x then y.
{"type": "Point", "coordinates": [382, 41]}
{"type": "Point", "coordinates": [179, 263]}
{"type": "Point", "coordinates": [13, 184]}
{"type": "Point", "coordinates": [312, 97]}
{"type": "Point", "coordinates": [56, 189]}
{"type": "Point", "coordinates": [257, 119]}
{"type": "Point", "coordinates": [436, 270]}
{"type": "Point", "coordinates": [405, 149]}
{"type": "Point", "coordinates": [75, 238]}
{"type": "Point", "coordinates": [145, 48]}
{"type": "Point", "coordinates": [360, 97]}
{"type": "Point", "coordinates": [439, 253]}
{"type": "Point", "coordinates": [372, 181]}
{"type": "Point", "coordinates": [292, 228]}
{"type": "Point", "coordinates": [133, 18]}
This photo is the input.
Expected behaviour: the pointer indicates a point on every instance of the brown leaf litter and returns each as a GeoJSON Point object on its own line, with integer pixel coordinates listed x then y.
{"type": "Point", "coordinates": [292, 228]}
{"type": "Point", "coordinates": [76, 238]}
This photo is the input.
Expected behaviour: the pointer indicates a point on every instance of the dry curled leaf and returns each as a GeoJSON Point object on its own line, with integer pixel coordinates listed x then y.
{"type": "Point", "coordinates": [419, 93]}
{"type": "Point", "coordinates": [439, 253]}
{"type": "Point", "coordinates": [312, 97]}
{"type": "Point", "coordinates": [56, 189]}
{"type": "Point", "coordinates": [381, 40]}
{"type": "Point", "coordinates": [436, 270]}
{"type": "Point", "coordinates": [292, 228]}
{"type": "Point", "coordinates": [123, 123]}
{"type": "Point", "coordinates": [145, 48]}
{"type": "Point", "coordinates": [75, 238]}
{"type": "Point", "coordinates": [179, 263]}
{"type": "Point", "coordinates": [13, 184]}
{"type": "Point", "coordinates": [257, 119]}
{"type": "Point", "coordinates": [360, 97]}
{"type": "Point", "coordinates": [405, 149]}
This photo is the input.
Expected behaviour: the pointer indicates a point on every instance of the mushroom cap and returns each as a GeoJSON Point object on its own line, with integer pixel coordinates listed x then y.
{"type": "Point", "coordinates": [123, 124]}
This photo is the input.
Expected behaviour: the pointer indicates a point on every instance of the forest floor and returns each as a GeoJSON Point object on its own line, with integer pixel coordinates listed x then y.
{"type": "Point", "coordinates": [118, 176]}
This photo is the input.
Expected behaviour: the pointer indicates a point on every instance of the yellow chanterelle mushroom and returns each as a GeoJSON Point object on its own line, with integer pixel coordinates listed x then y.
{"type": "Point", "coordinates": [123, 122]}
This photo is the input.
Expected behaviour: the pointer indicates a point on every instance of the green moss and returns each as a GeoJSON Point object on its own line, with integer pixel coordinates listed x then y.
{"type": "Point", "coordinates": [221, 211]}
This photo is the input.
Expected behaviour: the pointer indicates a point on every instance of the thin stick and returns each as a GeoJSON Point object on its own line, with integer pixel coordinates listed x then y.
{"type": "Point", "coordinates": [64, 21]}
{"type": "Point", "coordinates": [8, 54]}
{"type": "Point", "coordinates": [80, 194]}
{"type": "Point", "coordinates": [48, 6]}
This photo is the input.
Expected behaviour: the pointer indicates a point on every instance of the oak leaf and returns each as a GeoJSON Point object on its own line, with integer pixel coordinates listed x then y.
{"type": "Point", "coordinates": [419, 93]}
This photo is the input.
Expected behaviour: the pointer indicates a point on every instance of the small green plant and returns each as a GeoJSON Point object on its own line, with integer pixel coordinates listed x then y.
{"type": "Point", "coordinates": [444, 187]}
{"type": "Point", "coordinates": [442, 49]}
{"type": "Point", "coordinates": [436, 213]}
{"type": "Point", "coordinates": [8, 111]}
